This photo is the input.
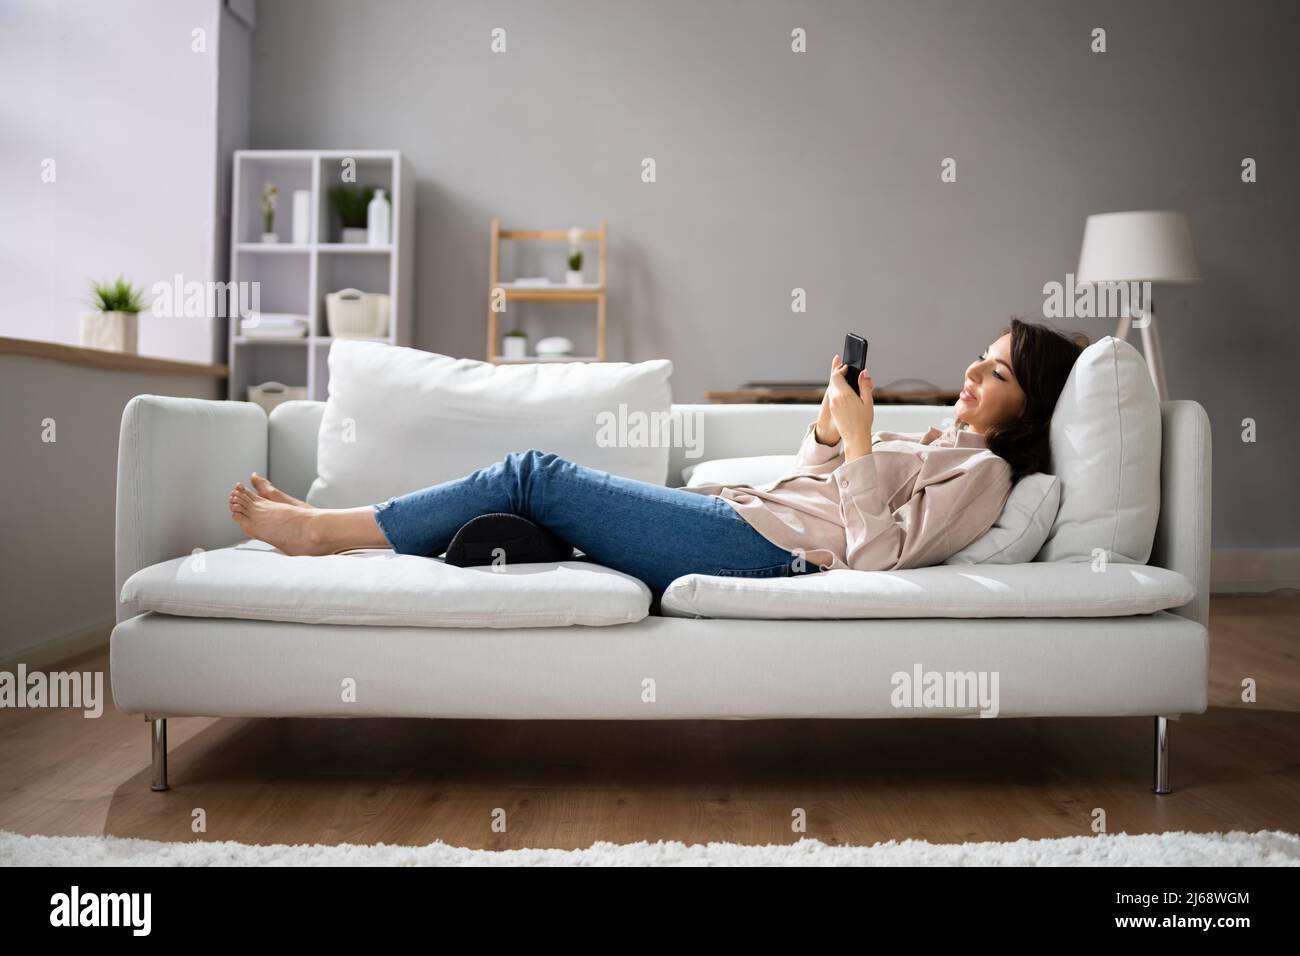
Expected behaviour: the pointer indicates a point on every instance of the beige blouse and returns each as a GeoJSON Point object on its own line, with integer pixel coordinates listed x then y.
{"type": "Point", "coordinates": [915, 501]}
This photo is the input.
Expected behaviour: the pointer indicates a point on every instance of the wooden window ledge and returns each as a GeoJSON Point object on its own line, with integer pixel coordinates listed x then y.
{"type": "Point", "coordinates": [102, 359]}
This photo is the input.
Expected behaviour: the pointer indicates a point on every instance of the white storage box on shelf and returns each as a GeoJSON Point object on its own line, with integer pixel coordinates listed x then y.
{"type": "Point", "coordinates": [353, 314]}
{"type": "Point", "coordinates": [271, 394]}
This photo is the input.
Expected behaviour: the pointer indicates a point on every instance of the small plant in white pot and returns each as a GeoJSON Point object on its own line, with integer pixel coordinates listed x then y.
{"type": "Point", "coordinates": [574, 275]}
{"type": "Point", "coordinates": [350, 205]}
{"type": "Point", "coordinates": [269, 193]}
{"type": "Point", "coordinates": [514, 345]}
{"type": "Point", "coordinates": [114, 324]}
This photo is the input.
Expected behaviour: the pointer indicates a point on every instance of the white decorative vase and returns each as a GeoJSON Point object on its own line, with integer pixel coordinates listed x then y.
{"type": "Point", "coordinates": [355, 235]}
{"type": "Point", "coordinates": [378, 216]}
{"type": "Point", "coordinates": [573, 277]}
{"type": "Point", "coordinates": [301, 217]}
{"type": "Point", "coordinates": [270, 237]}
{"type": "Point", "coordinates": [514, 347]}
{"type": "Point", "coordinates": [111, 331]}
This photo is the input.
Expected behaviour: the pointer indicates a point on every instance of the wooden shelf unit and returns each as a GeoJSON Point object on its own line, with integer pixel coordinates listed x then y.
{"type": "Point", "coordinates": [515, 292]}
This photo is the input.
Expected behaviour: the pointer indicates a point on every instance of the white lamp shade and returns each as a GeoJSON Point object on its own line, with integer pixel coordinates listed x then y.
{"type": "Point", "coordinates": [1137, 247]}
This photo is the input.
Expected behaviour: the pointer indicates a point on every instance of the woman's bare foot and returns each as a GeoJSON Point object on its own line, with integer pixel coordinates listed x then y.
{"type": "Point", "coordinates": [272, 493]}
{"type": "Point", "coordinates": [292, 529]}
{"type": "Point", "coordinates": [299, 529]}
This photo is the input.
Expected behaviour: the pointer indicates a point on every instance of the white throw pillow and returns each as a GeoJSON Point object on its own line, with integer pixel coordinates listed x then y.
{"type": "Point", "coordinates": [1021, 529]}
{"type": "Point", "coordinates": [399, 419]}
{"type": "Point", "coordinates": [1105, 437]}
{"type": "Point", "coordinates": [755, 471]}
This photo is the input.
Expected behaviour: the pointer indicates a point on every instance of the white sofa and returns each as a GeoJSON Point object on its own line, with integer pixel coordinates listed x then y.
{"type": "Point", "coordinates": [573, 641]}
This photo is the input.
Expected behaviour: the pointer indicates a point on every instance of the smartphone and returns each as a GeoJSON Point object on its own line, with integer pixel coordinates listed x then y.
{"type": "Point", "coordinates": [855, 357]}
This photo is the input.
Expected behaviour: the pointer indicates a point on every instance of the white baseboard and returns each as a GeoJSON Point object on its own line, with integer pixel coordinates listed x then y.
{"type": "Point", "coordinates": [43, 654]}
{"type": "Point", "coordinates": [1253, 570]}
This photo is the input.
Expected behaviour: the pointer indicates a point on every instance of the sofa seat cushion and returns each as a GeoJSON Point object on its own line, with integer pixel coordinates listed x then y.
{"type": "Point", "coordinates": [257, 582]}
{"type": "Point", "coordinates": [1037, 589]}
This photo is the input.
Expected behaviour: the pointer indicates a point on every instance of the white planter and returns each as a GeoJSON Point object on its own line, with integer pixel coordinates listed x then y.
{"type": "Point", "coordinates": [514, 347]}
{"type": "Point", "coordinates": [355, 236]}
{"type": "Point", "coordinates": [573, 277]}
{"type": "Point", "coordinates": [270, 237]}
{"type": "Point", "coordinates": [111, 331]}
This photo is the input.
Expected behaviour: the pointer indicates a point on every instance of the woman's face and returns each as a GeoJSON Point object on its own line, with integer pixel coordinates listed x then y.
{"type": "Point", "coordinates": [990, 394]}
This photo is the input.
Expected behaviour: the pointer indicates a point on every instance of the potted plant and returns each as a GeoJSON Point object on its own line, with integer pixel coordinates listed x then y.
{"type": "Point", "coordinates": [269, 192]}
{"type": "Point", "coordinates": [514, 345]}
{"type": "Point", "coordinates": [349, 204]}
{"type": "Point", "coordinates": [574, 275]}
{"type": "Point", "coordinates": [115, 322]}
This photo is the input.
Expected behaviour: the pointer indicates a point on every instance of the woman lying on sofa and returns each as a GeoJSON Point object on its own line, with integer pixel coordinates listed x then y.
{"type": "Point", "coordinates": [871, 502]}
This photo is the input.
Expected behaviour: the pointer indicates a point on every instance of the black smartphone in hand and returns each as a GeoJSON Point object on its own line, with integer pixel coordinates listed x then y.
{"type": "Point", "coordinates": [855, 357]}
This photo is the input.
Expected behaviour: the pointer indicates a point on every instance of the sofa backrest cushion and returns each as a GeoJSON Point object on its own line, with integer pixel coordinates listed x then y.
{"type": "Point", "coordinates": [1105, 439]}
{"type": "Point", "coordinates": [399, 419]}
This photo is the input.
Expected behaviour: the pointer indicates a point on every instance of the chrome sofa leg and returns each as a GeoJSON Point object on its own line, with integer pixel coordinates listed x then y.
{"type": "Point", "coordinates": [158, 733]}
{"type": "Point", "coordinates": [1162, 756]}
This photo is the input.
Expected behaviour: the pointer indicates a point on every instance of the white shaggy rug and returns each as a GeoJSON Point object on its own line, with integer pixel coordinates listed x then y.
{"type": "Point", "coordinates": [1264, 848]}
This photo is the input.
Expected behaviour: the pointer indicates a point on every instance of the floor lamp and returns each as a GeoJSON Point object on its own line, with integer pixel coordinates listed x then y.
{"type": "Point", "coordinates": [1138, 247]}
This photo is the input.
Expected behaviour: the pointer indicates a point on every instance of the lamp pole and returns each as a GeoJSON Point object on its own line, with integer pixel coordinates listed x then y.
{"type": "Point", "coordinates": [1150, 340]}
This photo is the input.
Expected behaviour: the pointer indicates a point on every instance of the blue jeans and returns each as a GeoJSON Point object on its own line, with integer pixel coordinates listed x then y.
{"type": "Point", "coordinates": [651, 532]}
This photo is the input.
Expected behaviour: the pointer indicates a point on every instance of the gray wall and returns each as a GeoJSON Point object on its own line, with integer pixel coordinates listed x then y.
{"type": "Point", "coordinates": [56, 565]}
{"type": "Point", "coordinates": [821, 170]}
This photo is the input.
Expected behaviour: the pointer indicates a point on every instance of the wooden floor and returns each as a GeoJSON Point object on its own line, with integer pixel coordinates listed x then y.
{"type": "Point", "coordinates": [567, 784]}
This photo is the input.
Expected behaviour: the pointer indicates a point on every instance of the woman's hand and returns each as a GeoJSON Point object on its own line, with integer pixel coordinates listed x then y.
{"type": "Point", "coordinates": [826, 432]}
{"type": "Point", "coordinates": [852, 415]}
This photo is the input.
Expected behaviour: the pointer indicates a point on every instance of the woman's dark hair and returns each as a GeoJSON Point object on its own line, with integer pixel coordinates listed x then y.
{"type": "Point", "coordinates": [1041, 359]}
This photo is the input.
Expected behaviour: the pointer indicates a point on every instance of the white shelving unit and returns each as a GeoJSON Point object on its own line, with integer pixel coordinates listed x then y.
{"type": "Point", "coordinates": [296, 277]}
